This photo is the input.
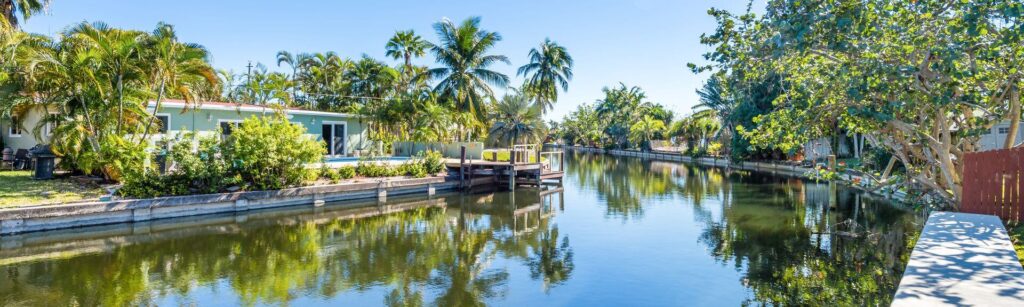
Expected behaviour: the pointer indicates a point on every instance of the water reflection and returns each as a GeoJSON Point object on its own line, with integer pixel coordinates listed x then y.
{"type": "Point", "coordinates": [795, 242]}
{"type": "Point", "coordinates": [782, 241]}
{"type": "Point", "coordinates": [431, 249]}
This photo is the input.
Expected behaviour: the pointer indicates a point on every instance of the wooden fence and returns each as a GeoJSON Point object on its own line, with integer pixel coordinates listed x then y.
{"type": "Point", "coordinates": [993, 183]}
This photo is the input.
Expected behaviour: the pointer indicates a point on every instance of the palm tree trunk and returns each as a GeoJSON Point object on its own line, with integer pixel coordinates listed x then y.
{"type": "Point", "coordinates": [120, 102]}
{"type": "Point", "coordinates": [156, 108]}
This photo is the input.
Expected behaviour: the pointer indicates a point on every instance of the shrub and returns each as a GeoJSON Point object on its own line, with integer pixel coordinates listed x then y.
{"type": "Point", "coordinates": [270, 152]}
{"type": "Point", "coordinates": [346, 172]}
{"type": "Point", "coordinates": [142, 184]}
{"type": "Point", "coordinates": [372, 169]}
{"type": "Point", "coordinates": [330, 174]}
{"type": "Point", "coordinates": [715, 148]}
{"type": "Point", "coordinates": [433, 162]}
{"type": "Point", "coordinates": [262, 154]}
{"type": "Point", "coordinates": [413, 168]}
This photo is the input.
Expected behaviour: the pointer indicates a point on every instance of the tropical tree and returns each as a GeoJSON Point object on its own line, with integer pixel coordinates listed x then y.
{"type": "Point", "coordinates": [516, 120]}
{"type": "Point", "coordinates": [25, 8]}
{"type": "Point", "coordinates": [294, 62]}
{"type": "Point", "coordinates": [550, 67]}
{"type": "Point", "coordinates": [465, 75]}
{"type": "Point", "coordinates": [406, 45]}
{"type": "Point", "coordinates": [180, 70]}
{"type": "Point", "coordinates": [644, 130]}
{"type": "Point", "coordinates": [874, 68]}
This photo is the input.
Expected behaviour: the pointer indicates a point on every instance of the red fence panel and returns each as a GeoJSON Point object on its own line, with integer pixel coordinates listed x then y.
{"type": "Point", "coordinates": [993, 183]}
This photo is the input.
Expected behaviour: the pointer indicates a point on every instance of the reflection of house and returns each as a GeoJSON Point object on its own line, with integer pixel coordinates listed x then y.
{"type": "Point", "coordinates": [995, 138]}
{"type": "Point", "coordinates": [343, 133]}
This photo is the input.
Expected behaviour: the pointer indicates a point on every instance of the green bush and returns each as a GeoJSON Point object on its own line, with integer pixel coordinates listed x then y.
{"type": "Point", "coordinates": [413, 168]}
{"type": "Point", "coordinates": [271, 153]}
{"type": "Point", "coordinates": [262, 154]}
{"type": "Point", "coordinates": [346, 172]}
{"type": "Point", "coordinates": [368, 168]}
{"type": "Point", "coordinates": [433, 162]}
{"type": "Point", "coordinates": [330, 174]}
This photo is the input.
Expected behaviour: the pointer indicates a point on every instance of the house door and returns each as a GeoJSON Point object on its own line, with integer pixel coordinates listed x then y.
{"type": "Point", "coordinates": [334, 135]}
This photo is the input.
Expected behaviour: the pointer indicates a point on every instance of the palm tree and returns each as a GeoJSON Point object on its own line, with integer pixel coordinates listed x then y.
{"type": "Point", "coordinates": [642, 131]}
{"type": "Point", "coordinates": [26, 8]}
{"type": "Point", "coordinates": [465, 76]}
{"type": "Point", "coordinates": [119, 50]}
{"type": "Point", "coordinates": [516, 119]}
{"type": "Point", "coordinates": [550, 67]}
{"type": "Point", "coordinates": [406, 45]}
{"type": "Point", "coordinates": [179, 69]}
{"type": "Point", "coordinates": [293, 61]}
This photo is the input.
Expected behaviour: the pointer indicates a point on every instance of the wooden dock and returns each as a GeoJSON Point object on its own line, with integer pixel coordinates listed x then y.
{"type": "Point", "coordinates": [526, 167]}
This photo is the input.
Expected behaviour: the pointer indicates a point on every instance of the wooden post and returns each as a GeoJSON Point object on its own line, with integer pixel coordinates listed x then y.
{"type": "Point", "coordinates": [494, 156]}
{"type": "Point", "coordinates": [511, 178]}
{"type": "Point", "coordinates": [561, 161]}
{"type": "Point", "coordinates": [462, 165]}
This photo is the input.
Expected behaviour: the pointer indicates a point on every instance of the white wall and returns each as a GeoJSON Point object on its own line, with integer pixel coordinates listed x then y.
{"type": "Point", "coordinates": [996, 137]}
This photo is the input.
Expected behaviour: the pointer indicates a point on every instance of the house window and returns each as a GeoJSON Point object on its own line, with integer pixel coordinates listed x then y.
{"type": "Point", "coordinates": [227, 127]}
{"type": "Point", "coordinates": [165, 122]}
{"type": "Point", "coordinates": [52, 124]}
{"type": "Point", "coordinates": [14, 130]}
{"type": "Point", "coordinates": [1004, 130]}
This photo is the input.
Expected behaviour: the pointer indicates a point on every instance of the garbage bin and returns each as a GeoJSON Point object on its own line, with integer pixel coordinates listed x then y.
{"type": "Point", "coordinates": [43, 159]}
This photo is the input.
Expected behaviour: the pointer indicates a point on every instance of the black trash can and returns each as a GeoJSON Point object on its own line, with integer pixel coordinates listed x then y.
{"type": "Point", "coordinates": [43, 160]}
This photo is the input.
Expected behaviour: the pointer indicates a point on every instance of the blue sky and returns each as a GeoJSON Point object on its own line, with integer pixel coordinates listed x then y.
{"type": "Point", "coordinates": [639, 42]}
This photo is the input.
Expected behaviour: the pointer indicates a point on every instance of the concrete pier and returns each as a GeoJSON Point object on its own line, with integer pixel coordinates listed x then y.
{"type": "Point", "coordinates": [962, 259]}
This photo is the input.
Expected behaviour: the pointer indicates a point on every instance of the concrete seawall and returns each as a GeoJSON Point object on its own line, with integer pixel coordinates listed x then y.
{"type": "Point", "coordinates": [39, 218]}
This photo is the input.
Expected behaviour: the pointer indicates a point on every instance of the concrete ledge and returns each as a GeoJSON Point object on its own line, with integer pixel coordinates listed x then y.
{"type": "Point", "coordinates": [49, 217]}
{"type": "Point", "coordinates": [962, 259]}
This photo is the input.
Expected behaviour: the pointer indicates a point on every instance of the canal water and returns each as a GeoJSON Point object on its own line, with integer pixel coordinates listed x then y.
{"type": "Point", "coordinates": [621, 231]}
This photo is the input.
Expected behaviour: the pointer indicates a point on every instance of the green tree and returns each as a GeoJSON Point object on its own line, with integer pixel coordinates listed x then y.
{"type": "Point", "coordinates": [644, 130]}
{"type": "Point", "coordinates": [516, 120]}
{"type": "Point", "coordinates": [406, 45]}
{"type": "Point", "coordinates": [465, 75]}
{"type": "Point", "coordinates": [550, 67]}
{"type": "Point", "coordinates": [25, 8]}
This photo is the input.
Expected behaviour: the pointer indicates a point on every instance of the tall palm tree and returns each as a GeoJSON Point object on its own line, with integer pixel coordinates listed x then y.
{"type": "Point", "coordinates": [180, 70]}
{"type": "Point", "coordinates": [465, 74]}
{"type": "Point", "coordinates": [295, 63]}
{"type": "Point", "coordinates": [516, 119]}
{"type": "Point", "coordinates": [550, 67]}
{"type": "Point", "coordinates": [25, 8]}
{"type": "Point", "coordinates": [406, 45]}
{"type": "Point", "coordinates": [119, 51]}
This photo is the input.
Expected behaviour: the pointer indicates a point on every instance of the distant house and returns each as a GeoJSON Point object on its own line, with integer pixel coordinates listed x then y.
{"type": "Point", "coordinates": [995, 138]}
{"type": "Point", "coordinates": [344, 134]}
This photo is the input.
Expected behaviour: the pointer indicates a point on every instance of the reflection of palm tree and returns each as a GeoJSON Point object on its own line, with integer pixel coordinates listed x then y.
{"type": "Point", "coordinates": [553, 260]}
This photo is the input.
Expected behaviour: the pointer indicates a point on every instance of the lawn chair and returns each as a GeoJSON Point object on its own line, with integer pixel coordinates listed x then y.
{"type": "Point", "coordinates": [21, 159]}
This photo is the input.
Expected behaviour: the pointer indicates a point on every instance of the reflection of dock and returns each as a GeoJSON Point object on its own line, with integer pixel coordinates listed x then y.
{"type": "Point", "coordinates": [526, 166]}
{"type": "Point", "coordinates": [542, 210]}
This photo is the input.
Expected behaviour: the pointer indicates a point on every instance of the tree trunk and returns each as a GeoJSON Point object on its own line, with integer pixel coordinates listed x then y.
{"type": "Point", "coordinates": [1011, 138]}
{"type": "Point", "coordinates": [156, 108]}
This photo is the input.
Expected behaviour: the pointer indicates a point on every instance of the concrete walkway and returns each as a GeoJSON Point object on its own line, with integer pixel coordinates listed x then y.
{"type": "Point", "coordinates": [962, 259]}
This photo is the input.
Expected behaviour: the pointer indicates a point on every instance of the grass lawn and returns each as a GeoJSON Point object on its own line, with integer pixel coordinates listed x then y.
{"type": "Point", "coordinates": [18, 189]}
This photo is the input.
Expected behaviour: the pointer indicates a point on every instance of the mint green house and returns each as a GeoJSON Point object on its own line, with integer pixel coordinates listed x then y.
{"type": "Point", "coordinates": [344, 134]}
